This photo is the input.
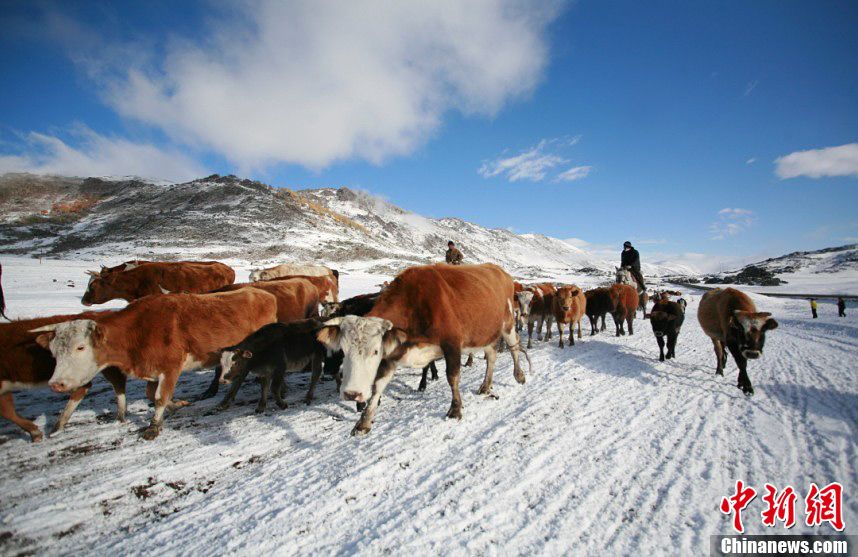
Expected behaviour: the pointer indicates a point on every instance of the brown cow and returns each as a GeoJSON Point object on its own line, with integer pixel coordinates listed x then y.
{"type": "Point", "coordinates": [730, 318]}
{"type": "Point", "coordinates": [26, 365]}
{"type": "Point", "coordinates": [569, 304]}
{"type": "Point", "coordinates": [328, 287]}
{"type": "Point", "coordinates": [155, 339]}
{"type": "Point", "coordinates": [428, 312]}
{"type": "Point", "coordinates": [599, 304]}
{"type": "Point", "coordinates": [625, 300]}
{"type": "Point", "coordinates": [196, 277]}
{"type": "Point", "coordinates": [540, 308]}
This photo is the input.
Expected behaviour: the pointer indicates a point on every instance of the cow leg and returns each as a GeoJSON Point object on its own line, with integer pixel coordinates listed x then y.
{"type": "Point", "coordinates": [571, 333]}
{"type": "Point", "coordinates": [233, 389]}
{"type": "Point", "coordinates": [579, 328]}
{"type": "Point", "coordinates": [263, 396]}
{"type": "Point", "coordinates": [453, 359]}
{"type": "Point", "coordinates": [671, 345]}
{"type": "Point", "coordinates": [470, 361]}
{"type": "Point", "coordinates": [539, 328]}
{"type": "Point", "coordinates": [560, 333]}
{"type": "Point", "coordinates": [277, 388]}
{"type": "Point", "coordinates": [514, 342]}
{"type": "Point", "coordinates": [604, 326]}
{"type": "Point", "coordinates": [660, 341]}
{"type": "Point", "coordinates": [71, 405]}
{"type": "Point", "coordinates": [491, 357]}
{"type": "Point", "coordinates": [529, 333]}
{"type": "Point", "coordinates": [434, 369]}
{"type": "Point", "coordinates": [314, 378]}
{"type": "Point", "coordinates": [7, 410]}
{"type": "Point", "coordinates": [118, 380]}
{"type": "Point", "coordinates": [617, 324]}
{"type": "Point", "coordinates": [719, 357]}
{"type": "Point", "coordinates": [163, 398]}
{"type": "Point", "coordinates": [382, 379]}
{"type": "Point", "coordinates": [213, 386]}
{"type": "Point", "coordinates": [744, 382]}
{"type": "Point", "coordinates": [592, 325]}
{"type": "Point", "coordinates": [422, 386]}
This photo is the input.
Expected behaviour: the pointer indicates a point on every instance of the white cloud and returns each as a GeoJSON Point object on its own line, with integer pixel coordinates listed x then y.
{"type": "Point", "coordinates": [534, 164]}
{"type": "Point", "coordinates": [749, 88]}
{"type": "Point", "coordinates": [816, 163]}
{"type": "Point", "coordinates": [752, 160]}
{"type": "Point", "coordinates": [574, 173]}
{"type": "Point", "coordinates": [314, 82]}
{"type": "Point", "coordinates": [731, 221]}
{"type": "Point", "coordinates": [97, 155]}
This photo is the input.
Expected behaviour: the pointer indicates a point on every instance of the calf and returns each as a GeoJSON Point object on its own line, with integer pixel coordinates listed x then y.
{"type": "Point", "coordinates": [270, 353]}
{"type": "Point", "coordinates": [292, 270]}
{"type": "Point", "coordinates": [625, 300]}
{"type": "Point", "coordinates": [327, 286]}
{"type": "Point", "coordinates": [730, 318]}
{"type": "Point", "coordinates": [27, 365]}
{"type": "Point", "coordinates": [666, 319]}
{"type": "Point", "coordinates": [155, 339]}
{"type": "Point", "coordinates": [569, 305]}
{"type": "Point", "coordinates": [599, 304]}
{"type": "Point", "coordinates": [540, 309]}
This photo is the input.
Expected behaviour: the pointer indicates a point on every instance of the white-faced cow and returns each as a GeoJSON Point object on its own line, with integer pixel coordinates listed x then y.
{"type": "Point", "coordinates": [538, 310]}
{"type": "Point", "coordinates": [155, 339]}
{"type": "Point", "coordinates": [730, 318]}
{"type": "Point", "coordinates": [292, 270]}
{"type": "Point", "coordinates": [428, 312]}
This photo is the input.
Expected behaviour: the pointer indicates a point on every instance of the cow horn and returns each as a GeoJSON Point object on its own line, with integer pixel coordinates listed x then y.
{"type": "Point", "coordinates": [93, 273]}
{"type": "Point", "coordinates": [163, 290]}
{"type": "Point", "coordinates": [45, 328]}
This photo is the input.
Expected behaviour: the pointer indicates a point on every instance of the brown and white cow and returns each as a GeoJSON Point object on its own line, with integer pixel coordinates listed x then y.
{"type": "Point", "coordinates": [26, 365]}
{"type": "Point", "coordinates": [539, 301]}
{"type": "Point", "coordinates": [155, 339]}
{"type": "Point", "coordinates": [146, 279]}
{"type": "Point", "coordinates": [293, 270]}
{"type": "Point", "coordinates": [428, 312]}
{"type": "Point", "coordinates": [328, 287]}
{"type": "Point", "coordinates": [730, 318]}
{"type": "Point", "coordinates": [569, 304]}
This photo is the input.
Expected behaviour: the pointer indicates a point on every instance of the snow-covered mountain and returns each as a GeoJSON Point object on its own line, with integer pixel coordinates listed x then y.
{"type": "Point", "coordinates": [229, 218]}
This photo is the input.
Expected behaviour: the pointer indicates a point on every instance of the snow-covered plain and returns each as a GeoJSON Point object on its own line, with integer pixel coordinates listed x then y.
{"type": "Point", "coordinates": [603, 451]}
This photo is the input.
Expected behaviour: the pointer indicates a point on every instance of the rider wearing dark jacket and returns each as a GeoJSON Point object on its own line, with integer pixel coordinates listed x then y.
{"type": "Point", "coordinates": [630, 258]}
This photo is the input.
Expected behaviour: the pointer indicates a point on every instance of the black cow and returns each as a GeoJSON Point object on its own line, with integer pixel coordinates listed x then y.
{"type": "Point", "coordinates": [270, 353]}
{"type": "Point", "coordinates": [599, 304]}
{"type": "Point", "coordinates": [666, 320]}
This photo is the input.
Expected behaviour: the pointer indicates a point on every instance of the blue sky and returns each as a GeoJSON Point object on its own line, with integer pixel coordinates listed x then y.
{"type": "Point", "coordinates": [659, 122]}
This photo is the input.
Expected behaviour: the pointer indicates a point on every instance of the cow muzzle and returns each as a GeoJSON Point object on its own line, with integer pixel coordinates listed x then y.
{"type": "Point", "coordinates": [59, 387]}
{"type": "Point", "coordinates": [751, 354]}
{"type": "Point", "coordinates": [353, 395]}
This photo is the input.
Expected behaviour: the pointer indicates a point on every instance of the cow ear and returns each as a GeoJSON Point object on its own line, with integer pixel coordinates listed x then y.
{"type": "Point", "coordinates": [770, 324]}
{"type": "Point", "coordinates": [44, 339]}
{"type": "Point", "coordinates": [392, 340]}
{"type": "Point", "coordinates": [329, 336]}
{"type": "Point", "coordinates": [247, 354]}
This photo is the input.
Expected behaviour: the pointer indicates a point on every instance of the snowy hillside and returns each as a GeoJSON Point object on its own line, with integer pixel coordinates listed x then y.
{"type": "Point", "coordinates": [229, 218]}
{"type": "Point", "coordinates": [604, 451]}
{"type": "Point", "coordinates": [826, 271]}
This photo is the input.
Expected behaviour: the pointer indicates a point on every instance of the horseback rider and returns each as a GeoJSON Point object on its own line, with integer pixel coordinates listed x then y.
{"type": "Point", "coordinates": [454, 256]}
{"type": "Point", "coordinates": [630, 259]}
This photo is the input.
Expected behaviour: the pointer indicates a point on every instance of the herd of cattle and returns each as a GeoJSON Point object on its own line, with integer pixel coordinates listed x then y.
{"type": "Point", "coordinates": [188, 315]}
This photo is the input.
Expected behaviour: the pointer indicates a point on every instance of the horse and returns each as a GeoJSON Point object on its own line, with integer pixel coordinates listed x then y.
{"type": "Point", "coordinates": [624, 276]}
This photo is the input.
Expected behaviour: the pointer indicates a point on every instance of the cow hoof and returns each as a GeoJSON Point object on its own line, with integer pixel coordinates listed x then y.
{"type": "Point", "coordinates": [259, 410]}
{"type": "Point", "coordinates": [360, 406]}
{"type": "Point", "coordinates": [151, 433]}
{"type": "Point", "coordinates": [308, 401]}
{"type": "Point", "coordinates": [37, 436]}
{"type": "Point", "coordinates": [455, 412]}
{"type": "Point", "coordinates": [519, 376]}
{"type": "Point", "coordinates": [661, 358]}
{"type": "Point", "coordinates": [360, 429]}
{"type": "Point", "coordinates": [719, 372]}
{"type": "Point", "coordinates": [221, 407]}
{"type": "Point", "coordinates": [282, 405]}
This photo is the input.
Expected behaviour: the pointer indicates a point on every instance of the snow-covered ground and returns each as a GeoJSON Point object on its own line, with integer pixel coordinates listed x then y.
{"type": "Point", "coordinates": [802, 282]}
{"type": "Point", "coordinates": [603, 451]}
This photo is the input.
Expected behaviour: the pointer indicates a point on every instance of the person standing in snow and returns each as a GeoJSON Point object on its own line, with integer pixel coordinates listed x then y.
{"type": "Point", "coordinates": [454, 256]}
{"type": "Point", "coordinates": [841, 307]}
{"type": "Point", "coordinates": [631, 259]}
{"type": "Point", "coordinates": [813, 307]}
